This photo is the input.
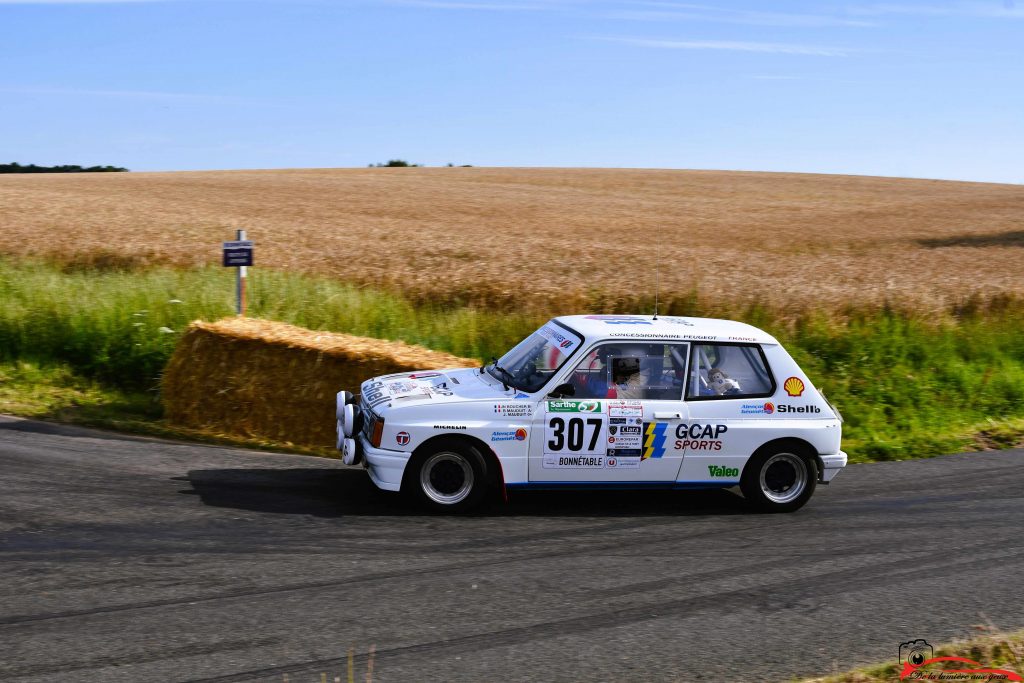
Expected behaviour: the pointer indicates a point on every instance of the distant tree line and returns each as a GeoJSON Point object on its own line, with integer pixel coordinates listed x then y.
{"type": "Point", "coordinates": [402, 163]}
{"type": "Point", "coordinates": [15, 167]}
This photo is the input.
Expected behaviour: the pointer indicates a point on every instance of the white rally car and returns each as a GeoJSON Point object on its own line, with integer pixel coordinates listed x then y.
{"type": "Point", "coordinates": [617, 401]}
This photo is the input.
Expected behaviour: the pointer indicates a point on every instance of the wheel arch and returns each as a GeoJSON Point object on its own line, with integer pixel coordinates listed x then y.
{"type": "Point", "coordinates": [796, 444]}
{"type": "Point", "coordinates": [492, 465]}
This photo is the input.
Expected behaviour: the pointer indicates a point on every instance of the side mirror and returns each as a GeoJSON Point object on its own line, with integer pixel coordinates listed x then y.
{"type": "Point", "coordinates": [563, 391]}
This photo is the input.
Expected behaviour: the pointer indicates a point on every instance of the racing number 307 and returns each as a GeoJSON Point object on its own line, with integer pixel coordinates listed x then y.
{"type": "Point", "coordinates": [572, 435]}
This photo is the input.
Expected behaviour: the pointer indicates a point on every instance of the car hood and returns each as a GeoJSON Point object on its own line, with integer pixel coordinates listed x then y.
{"type": "Point", "coordinates": [433, 387]}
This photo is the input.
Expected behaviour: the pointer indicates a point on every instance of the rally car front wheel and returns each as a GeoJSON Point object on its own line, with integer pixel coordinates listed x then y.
{"type": "Point", "coordinates": [779, 479]}
{"type": "Point", "coordinates": [449, 476]}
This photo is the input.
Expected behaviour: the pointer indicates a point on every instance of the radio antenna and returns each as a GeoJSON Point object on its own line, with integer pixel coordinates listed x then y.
{"type": "Point", "coordinates": [657, 284]}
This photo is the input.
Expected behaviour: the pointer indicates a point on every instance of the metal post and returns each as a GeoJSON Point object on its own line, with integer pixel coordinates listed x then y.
{"type": "Point", "coordinates": [240, 281]}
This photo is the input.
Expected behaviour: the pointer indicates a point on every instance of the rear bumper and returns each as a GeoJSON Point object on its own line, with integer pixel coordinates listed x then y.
{"type": "Point", "coordinates": [384, 467]}
{"type": "Point", "coordinates": [831, 465]}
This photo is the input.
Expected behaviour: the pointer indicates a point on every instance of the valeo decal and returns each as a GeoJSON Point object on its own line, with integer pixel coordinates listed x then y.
{"type": "Point", "coordinates": [563, 406]}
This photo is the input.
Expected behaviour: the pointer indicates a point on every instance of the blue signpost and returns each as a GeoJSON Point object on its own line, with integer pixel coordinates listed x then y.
{"type": "Point", "coordinates": [238, 254]}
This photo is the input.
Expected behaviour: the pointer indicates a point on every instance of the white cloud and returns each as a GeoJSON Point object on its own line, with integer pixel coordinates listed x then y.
{"type": "Point", "coordinates": [979, 10]}
{"type": "Point", "coordinates": [731, 45]}
{"type": "Point", "coordinates": [130, 94]}
{"type": "Point", "coordinates": [661, 11]}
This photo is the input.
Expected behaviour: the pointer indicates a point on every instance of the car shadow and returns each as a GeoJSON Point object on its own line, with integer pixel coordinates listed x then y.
{"type": "Point", "coordinates": [334, 492]}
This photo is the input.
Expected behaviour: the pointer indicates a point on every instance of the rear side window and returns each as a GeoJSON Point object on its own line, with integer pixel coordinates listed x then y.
{"type": "Point", "coordinates": [728, 371]}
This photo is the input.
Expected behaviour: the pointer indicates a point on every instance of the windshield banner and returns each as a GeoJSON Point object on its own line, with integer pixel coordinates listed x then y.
{"type": "Point", "coordinates": [566, 342]}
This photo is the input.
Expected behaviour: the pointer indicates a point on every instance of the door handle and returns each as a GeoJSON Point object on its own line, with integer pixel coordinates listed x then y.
{"type": "Point", "coordinates": [668, 416]}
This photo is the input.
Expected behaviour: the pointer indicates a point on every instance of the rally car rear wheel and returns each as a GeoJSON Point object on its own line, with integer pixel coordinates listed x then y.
{"type": "Point", "coordinates": [780, 479]}
{"type": "Point", "coordinates": [449, 477]}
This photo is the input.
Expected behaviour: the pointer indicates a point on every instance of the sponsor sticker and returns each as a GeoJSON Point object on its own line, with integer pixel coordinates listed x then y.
{"type": "Point", "coordinates": [646, 335]}
{"type": "Point", "coordinates": [509, 435]}
{"type": "Point", "coordinates": [450, 428]}
{"type": "Point", "coordinates": [794, 386]}
{"type": "Point", "coordinates": [620, 319]}
{"type": "Point", "coordinates": [576, 462]}
{"type": "Point", "coordinates": [719, 471]}
{"type": "Point", "coordinates": [374, 394]}
{"type": "Point", "coordinates": [699, 437]}
{"type": "Point", "coordinates": [766, 408]}
{"type": "Point", "coordinates": [625, 409]}
{"type": "Point", "coordinates": [565, 342]}
{"type": "Point", "coordinates": [623, 459]}
{"type": "Point", "coordinates": [676, 321]}
{"type": "Point", "coordinates": [402, 387]}
{"type": "Point", "coordinates": [565, 406]}
{"type": "Point", "coordinates": [654, 440]}
{"type": "Point", "coordinates": [786, 408]}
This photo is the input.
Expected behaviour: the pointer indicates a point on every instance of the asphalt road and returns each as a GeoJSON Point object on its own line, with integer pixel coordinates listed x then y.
{"type": "Point", "coordinates": [127, 559]}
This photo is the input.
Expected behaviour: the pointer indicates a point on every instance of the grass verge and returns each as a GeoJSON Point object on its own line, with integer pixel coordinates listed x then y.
{"type": "Point", "coordinates": [992, 650]}
{"type": "Point", "coordinates": [97, 340]}
{"type": "Point", "coordinates": [55, 393]}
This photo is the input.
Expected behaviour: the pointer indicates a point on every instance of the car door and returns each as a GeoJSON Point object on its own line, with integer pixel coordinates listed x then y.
{"type": "Point", "coordinates": [619, 425]}
{"type": "Point", "coordinates": [729, 398]}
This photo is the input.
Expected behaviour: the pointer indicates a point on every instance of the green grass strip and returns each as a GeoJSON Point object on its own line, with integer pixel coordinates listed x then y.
{"type": "Point", "coordinates": [908, 386]}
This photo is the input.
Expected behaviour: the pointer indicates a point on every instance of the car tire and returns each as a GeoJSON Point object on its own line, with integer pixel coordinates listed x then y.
{"type": "Point", "coordinates": [779, 478]}
{"type": "Point", "coordinates": [448, 476]}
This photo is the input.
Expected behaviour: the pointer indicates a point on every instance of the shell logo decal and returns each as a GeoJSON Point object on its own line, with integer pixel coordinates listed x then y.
{"type": "Point", "coordinates": [794, 386]}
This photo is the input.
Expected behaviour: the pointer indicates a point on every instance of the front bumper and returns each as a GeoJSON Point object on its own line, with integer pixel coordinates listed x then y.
{"type": "Point", "coordinates": [831, 465]}
{"type": "Point", "coordinates": [385, 468]}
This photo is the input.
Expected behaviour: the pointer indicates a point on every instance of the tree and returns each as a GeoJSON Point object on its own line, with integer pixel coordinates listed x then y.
{"type": "Point", "coordinates": [396, 163]}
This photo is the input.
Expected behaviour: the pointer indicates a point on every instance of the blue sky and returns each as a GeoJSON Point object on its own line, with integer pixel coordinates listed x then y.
{"type": "Point", "coordinates": [925, 89]}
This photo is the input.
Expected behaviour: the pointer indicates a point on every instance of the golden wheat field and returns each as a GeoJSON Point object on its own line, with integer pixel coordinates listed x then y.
{"type": "Point", "coordinates": [544, 237]}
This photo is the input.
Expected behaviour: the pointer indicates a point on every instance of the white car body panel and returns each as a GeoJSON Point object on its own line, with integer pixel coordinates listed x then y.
{"type": "Point", "coordinates": [702, 442]}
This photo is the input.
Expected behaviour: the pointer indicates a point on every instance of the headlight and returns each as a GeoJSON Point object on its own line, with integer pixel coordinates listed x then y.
{"type": "Point", "coordinates": [342, 399]}
{"type": "Point", "coordinates": [348, 419]}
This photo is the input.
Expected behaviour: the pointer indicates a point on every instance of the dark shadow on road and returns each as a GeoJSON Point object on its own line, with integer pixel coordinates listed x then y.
{"type": "Point", "coordinates": [333, 492]}
{"type": "Point", "coordinates": [15, 424]}
{"type": "Point", "coordinates": [1013, 238]}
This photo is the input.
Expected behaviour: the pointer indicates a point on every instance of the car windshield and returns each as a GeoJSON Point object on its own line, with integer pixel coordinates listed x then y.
{"type": "Point", "coordinates": [533, 361]}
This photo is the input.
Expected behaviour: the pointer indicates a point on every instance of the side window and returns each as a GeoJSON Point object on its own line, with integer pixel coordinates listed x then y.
{"type": "Point", "coordinates": [728, 371]}
{"type": "Point", "coordinates": [630, 370]}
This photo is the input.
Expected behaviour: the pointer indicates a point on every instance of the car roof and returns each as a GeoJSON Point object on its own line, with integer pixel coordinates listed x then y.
{"type": "Point", "coordinates": [647, 327]}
